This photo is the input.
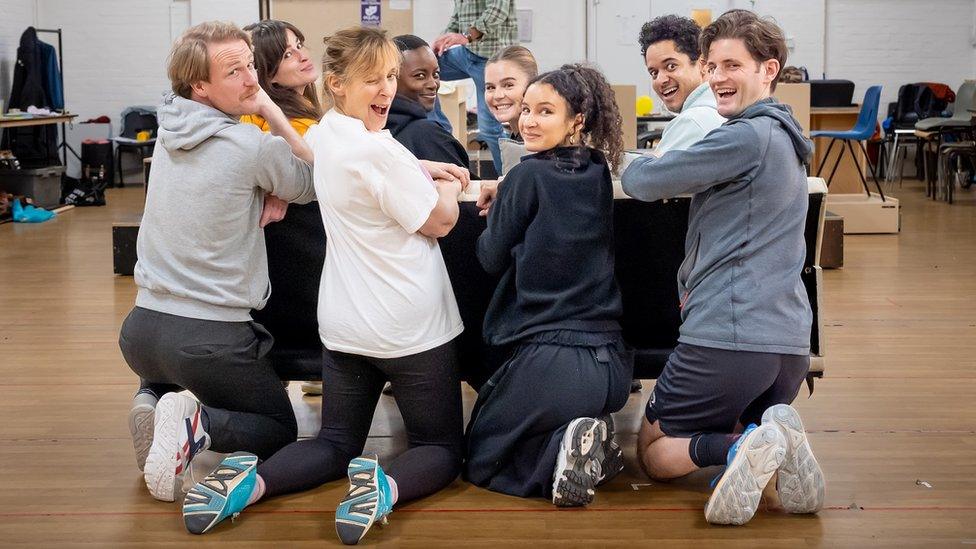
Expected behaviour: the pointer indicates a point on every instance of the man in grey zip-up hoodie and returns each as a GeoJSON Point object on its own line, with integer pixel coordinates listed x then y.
{"type": "Point", "coordinates": [744, 343]}
{"type": "Point", "coordinates": [202, 264]}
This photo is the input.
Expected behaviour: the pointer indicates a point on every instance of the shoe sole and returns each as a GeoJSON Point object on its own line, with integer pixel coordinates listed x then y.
{"type": "Point", "coordinates": [312, 388]}
{"type": "Point", "coordinates": [609, 457]}
{"type": "Point", "coordinates": [800, 481]}
{"type": "Point", "coordinates": [221, 482]}
{"type": "Point", "coordinates": [161, 462]}
{"type": "Point", "coordinates": [349, 529]}
{"type": "Point", "coordinates": [738, 493]}
{"type": "Point", "coordinates": [575, 484]}
{"type": "Point", "coordinates": [141, 426]}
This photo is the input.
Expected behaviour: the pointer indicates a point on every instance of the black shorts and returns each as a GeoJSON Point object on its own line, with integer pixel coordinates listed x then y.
{"type": "Point", "coordinates": [705, 390]}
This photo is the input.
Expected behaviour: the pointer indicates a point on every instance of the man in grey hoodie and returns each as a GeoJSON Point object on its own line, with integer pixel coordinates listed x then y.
{"type": "Point", "coordinates": [202, 264]}
{"type": "Point", "coordinates": [744, 343]}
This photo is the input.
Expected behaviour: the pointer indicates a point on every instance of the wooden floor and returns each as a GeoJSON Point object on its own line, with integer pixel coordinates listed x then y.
{"type": "Point", "coordinates": [893, 422]}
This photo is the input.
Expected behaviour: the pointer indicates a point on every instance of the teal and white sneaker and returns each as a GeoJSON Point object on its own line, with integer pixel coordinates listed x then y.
{"type": "Point", "coordinates": [576, 473]}
{"type": "Point", "coordinates": [369, 499]}
{"type": "Point", "coordinates": [800, 481]}
{"type": "Point", "coordinates": [223, 493]}
{"type": "Point", "coordinates": [752, 460]}
{"type": "Point", "coordinates": [609, 457]}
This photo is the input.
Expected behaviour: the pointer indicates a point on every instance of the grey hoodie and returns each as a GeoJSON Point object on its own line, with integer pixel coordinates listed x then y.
{"type": "Point", "coordinates": [201, 252]}
{"type": "Point", "coordinates": [740, 280]}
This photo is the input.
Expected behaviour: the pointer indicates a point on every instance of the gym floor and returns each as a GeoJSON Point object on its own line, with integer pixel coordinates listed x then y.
{"type": "Point", "coordinates": [893, 422]}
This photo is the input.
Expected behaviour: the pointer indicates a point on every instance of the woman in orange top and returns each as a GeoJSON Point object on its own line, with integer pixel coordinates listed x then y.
{"type": "Point", "coordinates": [296, 243]}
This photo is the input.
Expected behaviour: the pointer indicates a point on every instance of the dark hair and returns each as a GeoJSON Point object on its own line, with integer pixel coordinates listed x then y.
{"type": "Point", "coordinates": [587, 92]}
{"type": "Point", "coordinates": [762, 37]}
{"type": "Point", "coordinates": [270, 39]}
{"type": "Point", "coordinates": [407, 42]}
{"type": "Point", "coordinates": [680, 30]}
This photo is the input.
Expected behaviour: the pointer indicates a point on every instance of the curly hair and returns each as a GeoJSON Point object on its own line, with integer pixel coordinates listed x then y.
{"type": "Point", "coordinates": [680, 30]}
{"type": "Point", "coordinates": [587, 92]}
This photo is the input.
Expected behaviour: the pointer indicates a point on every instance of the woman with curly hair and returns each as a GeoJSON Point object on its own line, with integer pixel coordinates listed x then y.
{"type": "Point", "coordinates": [541, 424]}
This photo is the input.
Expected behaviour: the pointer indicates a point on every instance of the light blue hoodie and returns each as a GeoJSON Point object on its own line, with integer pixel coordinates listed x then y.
{"type": "Point", "coordinates": [699, 115]}
{"type": "Point", "coordinates": [740, 281]}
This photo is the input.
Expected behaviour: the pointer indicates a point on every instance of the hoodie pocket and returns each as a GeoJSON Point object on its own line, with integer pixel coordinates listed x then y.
{"type": "Point", "coordinates": [687, 266]}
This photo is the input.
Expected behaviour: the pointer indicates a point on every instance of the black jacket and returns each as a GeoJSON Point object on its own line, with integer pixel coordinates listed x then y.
{"type": "Point", "coordinates": [550, 236]}
{"type": "Point", "coordinates": [426, 139]}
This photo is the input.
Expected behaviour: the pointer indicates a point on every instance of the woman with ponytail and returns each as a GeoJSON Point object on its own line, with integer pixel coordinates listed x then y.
{"type": "Point", "coordinates": [541, 425]}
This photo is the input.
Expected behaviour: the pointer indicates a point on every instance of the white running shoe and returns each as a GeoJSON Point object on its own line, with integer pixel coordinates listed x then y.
{"type": "Point", "coordinates": [800, 481]}
{"type": "Point", "coordinates": [752, 461]}
{"type": "Point", "coordinates": [141, 425]}
{"type": "Point", "coordinates": [575, 474]}
{"type": "Point", "coordinates": [178, 435]}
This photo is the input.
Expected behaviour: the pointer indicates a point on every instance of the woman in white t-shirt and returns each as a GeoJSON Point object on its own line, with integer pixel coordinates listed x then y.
{"type": "Point", "coordinates": [386, 310]}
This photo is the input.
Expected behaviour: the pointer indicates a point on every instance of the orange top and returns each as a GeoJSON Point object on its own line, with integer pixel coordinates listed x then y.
{"type": "Point", "coordinates": [301, 125]}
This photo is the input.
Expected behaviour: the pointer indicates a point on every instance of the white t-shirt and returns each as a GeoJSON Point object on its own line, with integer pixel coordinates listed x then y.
{"type": "Point", "coordinates": [385, 291]}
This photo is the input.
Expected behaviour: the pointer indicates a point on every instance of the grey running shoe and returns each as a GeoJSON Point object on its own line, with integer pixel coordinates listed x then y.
{"type": "Point", "coordinates": [574, 477]}
{"type": "Point", "coordinates": [609, 458]}
{"type": "Point", "coordinates": [753, 459]}
{"type": "Point", "coordinates": [800, 481]}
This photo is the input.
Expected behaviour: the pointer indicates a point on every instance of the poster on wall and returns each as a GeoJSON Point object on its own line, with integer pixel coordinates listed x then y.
{"type": "Point", "coordinates": [369, 13]}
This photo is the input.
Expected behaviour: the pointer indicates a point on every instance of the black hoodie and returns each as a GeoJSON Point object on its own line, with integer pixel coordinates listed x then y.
{"type": "Point", "coordinates": [426, 139]}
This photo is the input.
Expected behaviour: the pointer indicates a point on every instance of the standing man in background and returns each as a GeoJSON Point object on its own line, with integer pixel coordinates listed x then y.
{"type": "Point", "coordinates": [482, 27]}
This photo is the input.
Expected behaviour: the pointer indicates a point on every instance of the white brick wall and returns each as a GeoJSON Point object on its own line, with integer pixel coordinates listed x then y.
{"type": "Point", "coordinates": [17, 16]}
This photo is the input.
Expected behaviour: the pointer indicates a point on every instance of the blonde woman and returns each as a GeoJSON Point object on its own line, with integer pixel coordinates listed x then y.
{"type": "Point", "coordinates": [386, 310]}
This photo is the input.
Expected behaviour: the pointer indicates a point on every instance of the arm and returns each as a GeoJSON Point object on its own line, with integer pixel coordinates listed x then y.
{"type": "Point", "coordinates": [681, 133]}
{"type": "Point", "coordinates": [445, 213]}
{"type": "Point", "coordinates": [510, 215]}
{"type": "Point", "coordinates": [279, 125]}
{"type": "Point", "coordinates": [493, 16]}
{"type": "Point", "coordinates": [726, 154]}
{"type": "Point", "coordinates": [281, 173]}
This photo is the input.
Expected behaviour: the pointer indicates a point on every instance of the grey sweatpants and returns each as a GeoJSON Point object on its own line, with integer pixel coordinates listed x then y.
{"type": "Point", "coordinates": [225, 365]}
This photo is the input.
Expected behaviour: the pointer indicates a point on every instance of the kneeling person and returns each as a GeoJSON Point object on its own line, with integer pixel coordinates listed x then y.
{"type": "Point", "coordinates": [744, 342]}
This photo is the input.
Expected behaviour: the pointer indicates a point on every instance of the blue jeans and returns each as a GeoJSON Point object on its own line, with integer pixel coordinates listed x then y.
{"type": "Point", "coordinates": [459, 63]}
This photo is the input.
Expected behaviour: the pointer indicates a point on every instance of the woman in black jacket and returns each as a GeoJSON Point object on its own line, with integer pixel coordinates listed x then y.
{"type": "Point", "coordinates": [416, 92]}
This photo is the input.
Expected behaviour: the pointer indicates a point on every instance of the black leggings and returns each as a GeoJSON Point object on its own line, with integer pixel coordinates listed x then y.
{"type": "Point", "coordinates": [427, 390]}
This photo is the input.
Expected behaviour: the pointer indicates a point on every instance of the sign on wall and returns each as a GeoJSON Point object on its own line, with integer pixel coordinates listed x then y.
{"type": "Point", "coordinates": [369, 13]}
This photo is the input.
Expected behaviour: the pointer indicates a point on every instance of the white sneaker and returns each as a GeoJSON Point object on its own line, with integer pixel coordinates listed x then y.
{"type": "Point", "coordinates": [575, 474]}
{"type": "Point", "coordinates": [752, 461]}
{"type": "Point", "coordinates": [800, 481]}
{"type": "Point", "coordinates": [178, 435]}
{"type": "Point", "coordinates": [141, 425]}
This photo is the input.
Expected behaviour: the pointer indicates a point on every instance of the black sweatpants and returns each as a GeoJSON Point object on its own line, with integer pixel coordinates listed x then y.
{"type": "Point", "coordinates": [224, 364]}
{"type": "Point", "coordinates": [427, 390]}
{"type": "Point", "coordinates": [522, 412]}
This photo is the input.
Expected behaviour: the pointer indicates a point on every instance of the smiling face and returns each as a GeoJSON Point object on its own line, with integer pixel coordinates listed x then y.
{"type": "Point", "coordinates": [367, 96]}
{"type": "Point", "coordinates": [296, 69]}
{"type": "Point", "coordinates": [673, 74]}
{"type": "Point", "coordinates": [546, 121]}
{"type": "Point", "coordinates": [420, 76]}
{"type": "Point", "coordinates": [736, 78]}
{"type": "Point", "coordinates": [232, 84]}
{"type": "Point", "coordinates": [505, 85]}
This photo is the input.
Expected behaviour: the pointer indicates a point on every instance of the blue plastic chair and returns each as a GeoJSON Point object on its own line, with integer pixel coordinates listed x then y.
{"type": "Point", "coordinates": [867, 119]}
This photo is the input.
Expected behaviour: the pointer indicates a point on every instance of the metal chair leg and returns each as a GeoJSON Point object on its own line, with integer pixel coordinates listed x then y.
{"type": "Point", "coordinates": [874, 170]}
{"type": "Point", "coordinates": [857, 166]}
{"type": "Point", "coordinates": [825, 157]}
{"type": "Point", "coordinates": [889, 175]}
{"type": "Point", "coordinates": [836, 164]}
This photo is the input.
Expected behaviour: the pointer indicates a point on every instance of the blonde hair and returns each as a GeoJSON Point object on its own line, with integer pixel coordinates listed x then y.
{"type": "Point", "coordinates": [356, 51]}
{"type": "Point", "coordinates": [521, 56]}
{"type": "Point", "coordinates": [189, 61]}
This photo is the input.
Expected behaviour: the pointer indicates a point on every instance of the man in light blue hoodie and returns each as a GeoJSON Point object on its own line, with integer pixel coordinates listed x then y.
{"type": "Point", "coordinates": [203, 267]}
{"type": "Point", "coordinates": [744, 343]}
{"type": "Point", "coordinates": [673, 58]}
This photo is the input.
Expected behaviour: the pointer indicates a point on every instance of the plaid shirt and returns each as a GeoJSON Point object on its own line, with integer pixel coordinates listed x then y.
{"type": "Point", "coordinates": [494, 18]}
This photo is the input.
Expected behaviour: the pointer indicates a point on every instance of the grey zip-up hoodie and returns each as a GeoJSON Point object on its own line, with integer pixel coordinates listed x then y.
{"type": "Point", "coordinates": [201, 252]}
{"type": "Point", "coordinates": [740, 281]}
